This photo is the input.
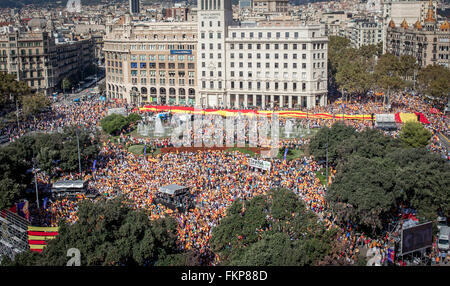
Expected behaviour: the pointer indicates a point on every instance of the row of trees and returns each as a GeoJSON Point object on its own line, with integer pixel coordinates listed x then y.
{"type": "Point", "coordinates": [52, 153]}
{"type": "Point", "coordinates": [356, 71]}
{"type": "Point", "coordinates": [376, 174]}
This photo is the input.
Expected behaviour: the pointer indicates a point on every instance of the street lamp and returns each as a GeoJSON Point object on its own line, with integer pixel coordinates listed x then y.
{"type": "Point", "coordinates": [78, 146]}
{"type": "Point", "coordinates": [35, 170]}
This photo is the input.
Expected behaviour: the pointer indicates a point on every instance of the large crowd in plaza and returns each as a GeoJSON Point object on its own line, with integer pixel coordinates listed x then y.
{"type": "Point", "coordinates": [215, 178]}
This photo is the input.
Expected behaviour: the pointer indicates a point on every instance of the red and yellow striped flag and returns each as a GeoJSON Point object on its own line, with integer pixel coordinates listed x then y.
{"type": "Point", "coordinates": [38, 237]}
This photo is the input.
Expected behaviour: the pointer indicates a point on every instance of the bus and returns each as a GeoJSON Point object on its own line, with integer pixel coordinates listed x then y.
{"type": "Point", "coordinates": [71, 189]}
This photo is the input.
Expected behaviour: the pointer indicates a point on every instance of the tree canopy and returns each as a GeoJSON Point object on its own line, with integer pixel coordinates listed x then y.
{"type": "Point", "coordinates": [414, 135]}
{"type": "Point", "coordinates": [433, 81]}
{"type": "Point", "coordinates": [376, 174]}
{"type": "Point", "coordinates": [269, 230]}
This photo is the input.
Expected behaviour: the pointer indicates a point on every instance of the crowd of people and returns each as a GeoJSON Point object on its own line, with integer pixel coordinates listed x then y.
{"type": "Point", "coordinates": [216, 179]}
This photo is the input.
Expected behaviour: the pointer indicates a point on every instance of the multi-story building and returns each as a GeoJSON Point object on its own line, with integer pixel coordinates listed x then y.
{"type": "Point", "coordinates": [252, 65]}
{"type": "Point", "coordinates": [399, 10]}
{"type": "Point", "coordinates": [35, 57]}
{"type": "Point", "coordinates": [365, 32]}
{"type": "Point", "coordinates": [270, 6]}
{"type": "Point", "coordinates": [153, 62]}
{"type": "Point", "coordinates": [428, 42]}
{"type": "Point", "coordinates": [177, 13]}
{"type": "Point", "coordinates": [335, 23]}
{"type": "Point", "coordinates": [217, 62]}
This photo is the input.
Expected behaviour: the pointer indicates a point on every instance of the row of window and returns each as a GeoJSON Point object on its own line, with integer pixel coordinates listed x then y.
{"type": "Point", "coordinates": [287, 35]}
{"type": "Point", "coordinates": [161, 65]}
{"type": "Point", "coordinates": [276, 56]}
{"type": "Point", "coordinates": [161, 57]}
{"type": "Point", "coordinates": [161, 47]}
{"type": "Point", "coordinates": [268, 85]}
{"type": "Point", "coordinates": [162, 73]}
{"type": "Point", "coordinates": [316, 46]}
{"type": "Point", "coordinates": [277, 65]}
{"type": "Point", "coordinates": [162, 81]}
{"type": "Point", "coordinates": [294, 75]}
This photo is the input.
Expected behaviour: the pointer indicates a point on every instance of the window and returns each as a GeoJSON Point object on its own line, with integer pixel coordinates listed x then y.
{"type": "Point", "coordinates": [303, 46]}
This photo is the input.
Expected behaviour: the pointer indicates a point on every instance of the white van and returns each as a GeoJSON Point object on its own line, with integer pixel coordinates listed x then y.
{"type": "Point", "coordinates": [443, 239]}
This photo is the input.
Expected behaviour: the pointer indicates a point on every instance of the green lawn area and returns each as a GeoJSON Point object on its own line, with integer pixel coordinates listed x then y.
{"type": "Point", "coordinates": [321, 174]}
{"type": "Point", "coordinates": [139, 150]}
{"type": "Point", "coordinates": [293, 154]}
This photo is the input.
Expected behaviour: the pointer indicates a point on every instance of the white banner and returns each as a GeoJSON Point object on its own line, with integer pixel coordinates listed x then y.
{"type": "Point", "coordinates": [260, 164]}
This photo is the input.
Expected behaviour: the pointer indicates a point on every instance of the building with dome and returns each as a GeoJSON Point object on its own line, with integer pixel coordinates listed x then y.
{"type": "Point", "coordinates": [427, 41]}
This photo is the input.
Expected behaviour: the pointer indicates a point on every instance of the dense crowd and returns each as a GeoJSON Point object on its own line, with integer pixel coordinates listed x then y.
{"type": "Point", "coordinates": [215, 179]}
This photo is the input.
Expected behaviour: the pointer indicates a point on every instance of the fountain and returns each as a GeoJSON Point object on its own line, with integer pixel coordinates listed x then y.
{"type": "Point", "coordinates": [159, 128]}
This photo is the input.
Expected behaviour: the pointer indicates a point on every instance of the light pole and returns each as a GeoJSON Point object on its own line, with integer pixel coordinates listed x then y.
{"type": "Point", "coordinates": [17, 115]}
{"type": "Point", "coordinates": [78, 145]}
{"type": "Point", "coordinates": [35, 170]}
{"type": "Point", "coordinates": [327, 158]}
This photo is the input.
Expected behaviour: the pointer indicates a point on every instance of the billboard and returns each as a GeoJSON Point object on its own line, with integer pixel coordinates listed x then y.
{"type": "Point", "coordinates": [416, 238]}
{"type": "Point", "coordinates": [181, 52]}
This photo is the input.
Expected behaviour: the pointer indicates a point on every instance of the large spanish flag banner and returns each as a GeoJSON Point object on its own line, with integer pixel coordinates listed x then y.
{"type": "Point", "coordinates": [38, 237]}
{"type": "Point", "coordinates": [413, 117]}
{"type": "Point", "coordinates": [250, 112]}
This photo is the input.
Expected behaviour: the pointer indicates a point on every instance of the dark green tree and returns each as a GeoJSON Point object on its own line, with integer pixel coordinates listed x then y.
{"type": "Point", "coordinates": [433, 81]}
{"type": "Point", "coordinates": [414, 135]}
{"type": "Point", "coordinates": [270, 230]}
{"type": "Point", "coordinates": [336, 135]}
{"type": "Point", "coordinates": [114, 123]}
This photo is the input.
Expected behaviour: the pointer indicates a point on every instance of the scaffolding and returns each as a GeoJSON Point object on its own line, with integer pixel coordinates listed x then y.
{"type": "Point", "coordinates": [14, 234]}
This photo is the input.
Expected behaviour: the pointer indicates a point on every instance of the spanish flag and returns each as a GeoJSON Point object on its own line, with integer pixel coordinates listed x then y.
{"type": "Point", "coordinates": [38, 237]}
